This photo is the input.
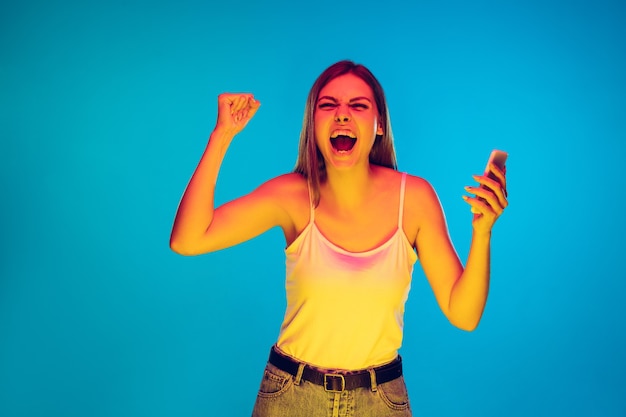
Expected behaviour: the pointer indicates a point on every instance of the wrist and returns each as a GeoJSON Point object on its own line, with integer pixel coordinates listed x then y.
{"type": "Point", "coordinates": [221, 138]}
{"type": "Point", "coordinates": [481, 235]}
{"type": "Point", "coordinates": [223, 133]}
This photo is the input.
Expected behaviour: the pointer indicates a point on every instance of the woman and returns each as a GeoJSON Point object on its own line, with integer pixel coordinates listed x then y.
{"type": "Point", "coordinates": [353, 227]}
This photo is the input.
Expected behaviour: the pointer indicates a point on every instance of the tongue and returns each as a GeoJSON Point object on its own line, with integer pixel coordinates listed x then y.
{"type": "Point", "coordinates": [343, 143]}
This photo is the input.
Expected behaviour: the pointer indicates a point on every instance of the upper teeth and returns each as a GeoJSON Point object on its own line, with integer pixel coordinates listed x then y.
{"type": "Point", "coordinates": [343, 133]}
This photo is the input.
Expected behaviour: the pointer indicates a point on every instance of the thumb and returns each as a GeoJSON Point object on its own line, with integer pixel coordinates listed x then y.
{"type": "Point", "coordinates": [224, 102]}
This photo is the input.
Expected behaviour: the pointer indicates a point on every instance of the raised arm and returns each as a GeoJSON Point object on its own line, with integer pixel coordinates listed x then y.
{"type": "Point", "coordinates": [198, 226]}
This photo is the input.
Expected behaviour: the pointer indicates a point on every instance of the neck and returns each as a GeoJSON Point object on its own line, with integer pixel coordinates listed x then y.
{"type": "Point", "coordinates": [348, 188]}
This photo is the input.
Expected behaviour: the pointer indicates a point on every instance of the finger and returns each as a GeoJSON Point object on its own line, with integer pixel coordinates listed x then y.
{"type": "Point", "coordinates": [482, 193]}
{"type": "Point", "coordinates": [239, 104]}
{"type": "Point", "coordinates": [245, 111]}
{"type": "Point", "coordinates": [477, 206]}
{"type": "Point", "coordinates": [488, 198]}
{"type": "Point", "coordinates": [489, 194]}
{"type": "Point", "coordinates": [234, 104]}
{"type": "Point", "coordinates": [500, 174]}
{"type": "Point", "coordinates": [488, 183]}
{"type": "Point", "coordinates": [247, 100]}
{"type": "Point", "coordinates": [250, 106]}
{"type": "Point", "coordinates": [254, 106]}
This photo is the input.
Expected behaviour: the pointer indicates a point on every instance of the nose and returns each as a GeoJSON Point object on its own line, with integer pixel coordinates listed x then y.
{"type": "Point", "coordinates": [342, 115]}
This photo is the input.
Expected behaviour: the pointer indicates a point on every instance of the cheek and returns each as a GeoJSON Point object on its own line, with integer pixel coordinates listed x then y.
{"type": "Point", "coordinates": [367, 122]}
{"type": "Point", "coordinates": [321, 124]}
{"type": "Point", "coordinates": [318, 131]}
{"type": "Point", "coordinates": [322, 117]}
{"type": "Point", "coordinates": [316, 137]}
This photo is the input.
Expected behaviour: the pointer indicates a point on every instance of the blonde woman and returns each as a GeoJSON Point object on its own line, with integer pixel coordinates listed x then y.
{"type": "Point", "coordinates": [354, 227]}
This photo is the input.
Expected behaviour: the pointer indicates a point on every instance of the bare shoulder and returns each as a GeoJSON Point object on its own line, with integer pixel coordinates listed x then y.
{"type": "Point", "coordinates": [419, 188]}
{"type": "Point", "coordinates": [418, 191]}
{"type": "Point", "coordinates": [290, 178]}
{"type": "Point", "coordinates": [422, 198]}
{"type": "Point", "coordinates": [414, 184]}
{"type": "Point", "coordinates": [422, 206]}
{"type": "Point", "coordinates": [286, 186]}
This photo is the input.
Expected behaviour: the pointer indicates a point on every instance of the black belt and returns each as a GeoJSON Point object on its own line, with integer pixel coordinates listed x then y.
{"type": "Point", "coordinates": [338, 381]}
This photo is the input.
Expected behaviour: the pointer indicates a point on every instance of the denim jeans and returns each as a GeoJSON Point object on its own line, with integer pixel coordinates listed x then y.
{"type": "Point", "coordinates": [280, 395]}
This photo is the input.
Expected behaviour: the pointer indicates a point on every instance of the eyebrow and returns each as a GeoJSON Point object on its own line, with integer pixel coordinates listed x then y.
{"type": "Point", "coordinates": [351, 100]}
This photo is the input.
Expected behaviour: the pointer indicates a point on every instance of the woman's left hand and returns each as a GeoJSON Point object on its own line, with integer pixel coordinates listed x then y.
{"type": "Point", "coordinates": [490, 198]}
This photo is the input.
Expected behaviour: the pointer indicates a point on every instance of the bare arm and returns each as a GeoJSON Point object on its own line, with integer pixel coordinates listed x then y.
{"type": "Point", "coordinates": [461, 292]}
{"type": "Point", "coordinates": [198, 226]}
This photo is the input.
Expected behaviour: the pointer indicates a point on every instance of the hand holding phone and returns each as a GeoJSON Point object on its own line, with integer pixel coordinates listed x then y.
{"type": "Point", "coordinates": [491, 196]}
{"type": "Point", "coordinates": [498, 158]}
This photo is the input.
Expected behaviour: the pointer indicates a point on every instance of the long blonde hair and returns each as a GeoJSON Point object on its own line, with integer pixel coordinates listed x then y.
{"type": "Point", "coordinates": [310, 162]}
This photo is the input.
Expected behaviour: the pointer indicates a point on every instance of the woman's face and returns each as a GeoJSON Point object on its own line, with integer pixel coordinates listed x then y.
{"type": "Point", "coordinates": [346, 121]}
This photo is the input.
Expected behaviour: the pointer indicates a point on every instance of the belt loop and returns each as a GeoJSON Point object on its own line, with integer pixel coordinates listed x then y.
{"type": "Point", "coordinates": [299, 374]}
{"type": "Point", "coordinates": [373, 379]}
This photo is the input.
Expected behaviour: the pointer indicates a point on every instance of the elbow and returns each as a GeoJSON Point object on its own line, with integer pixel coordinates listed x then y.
{"type": "Point", "coordinates": [181, 248]}
{"type": "Point", "coordinates": [465, 323]}
{"type": "Point", "coordinates": [468, 327]}
{"type": "Point", "coordinates": [465, 317]}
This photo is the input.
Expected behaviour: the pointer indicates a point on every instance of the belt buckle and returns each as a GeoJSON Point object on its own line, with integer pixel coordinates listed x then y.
{"type": "Point", "coordinates": [333, 377]}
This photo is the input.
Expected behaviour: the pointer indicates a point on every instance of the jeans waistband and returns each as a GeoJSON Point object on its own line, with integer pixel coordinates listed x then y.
{"type": "Point", "coordinates": [337, 381]}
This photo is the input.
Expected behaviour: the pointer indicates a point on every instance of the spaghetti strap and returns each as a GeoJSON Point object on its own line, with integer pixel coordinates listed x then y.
{"type": "Point", "coordinates": [311, 208]}
{"type": "Point", "coordinates": [401, 208]}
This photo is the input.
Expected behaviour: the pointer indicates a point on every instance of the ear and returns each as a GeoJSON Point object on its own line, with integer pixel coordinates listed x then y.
{"type": "Point", "coordinates": [379, 130]}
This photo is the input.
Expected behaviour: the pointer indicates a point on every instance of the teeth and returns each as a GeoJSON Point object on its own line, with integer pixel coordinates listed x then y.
{"type": "Point", "coordinates": [343, 133]}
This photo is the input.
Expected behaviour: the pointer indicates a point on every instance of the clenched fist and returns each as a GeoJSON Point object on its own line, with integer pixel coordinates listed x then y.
{"type": "Point", "coordinates": [235, 111]}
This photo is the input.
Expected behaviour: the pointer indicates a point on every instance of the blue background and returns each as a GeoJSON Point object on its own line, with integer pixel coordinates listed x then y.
{"type": "Point", "coordinates": [105, 110]}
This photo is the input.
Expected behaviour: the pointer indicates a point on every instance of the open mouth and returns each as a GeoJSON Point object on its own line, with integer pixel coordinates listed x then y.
{"type": "Point", "coordinates": [342, 143]}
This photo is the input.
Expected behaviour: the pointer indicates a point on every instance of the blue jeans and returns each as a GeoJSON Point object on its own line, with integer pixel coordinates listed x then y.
{"type": "Point", "coordinates": [281, 395]}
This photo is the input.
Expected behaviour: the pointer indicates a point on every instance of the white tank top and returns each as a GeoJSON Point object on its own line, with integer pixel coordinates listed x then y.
{"type": "Point", "coordinates": [345, 310]}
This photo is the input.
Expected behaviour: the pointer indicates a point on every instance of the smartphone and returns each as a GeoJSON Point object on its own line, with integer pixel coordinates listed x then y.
{"type": "Point", "coordinates": [499, 159]}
